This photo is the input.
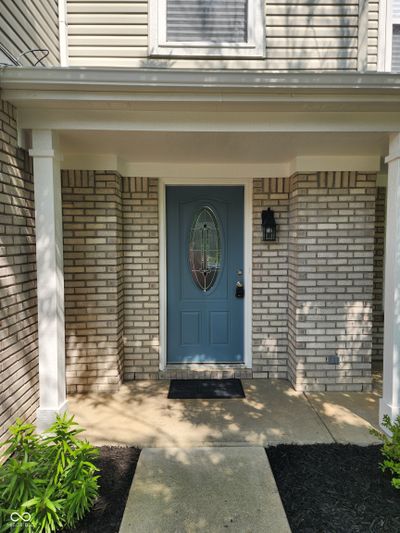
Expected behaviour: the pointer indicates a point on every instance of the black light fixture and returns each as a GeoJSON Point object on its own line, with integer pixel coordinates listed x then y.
{"type": "Point", "coordinates": [269, 225]}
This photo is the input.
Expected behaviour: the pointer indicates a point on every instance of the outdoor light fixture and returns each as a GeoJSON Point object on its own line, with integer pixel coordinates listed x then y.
{"type": "Point", "coordinates": [269, 225]}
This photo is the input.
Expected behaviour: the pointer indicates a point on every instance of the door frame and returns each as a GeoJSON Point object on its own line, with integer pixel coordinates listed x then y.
{"type": "Point", "coordinates": [247, 184]}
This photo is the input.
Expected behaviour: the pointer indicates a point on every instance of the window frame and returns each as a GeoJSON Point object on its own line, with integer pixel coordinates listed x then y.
{"type": "Point", "coordinates": [385, 35]}
{"type": "Point", "coordinates": [159, 46]}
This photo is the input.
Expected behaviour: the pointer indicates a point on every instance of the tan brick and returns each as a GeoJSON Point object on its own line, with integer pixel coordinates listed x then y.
{"type": "Point", "coordinates": [19, 389]}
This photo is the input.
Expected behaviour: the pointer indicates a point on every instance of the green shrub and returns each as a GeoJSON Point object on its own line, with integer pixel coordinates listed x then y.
{"type": "Point", "coordinates": [49, 480]}
{"type": "Point", "coordinates": [390, 448]}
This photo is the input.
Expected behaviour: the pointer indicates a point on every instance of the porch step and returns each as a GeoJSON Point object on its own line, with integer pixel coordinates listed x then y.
{"type": "Point", "coordinates": [193, 490]}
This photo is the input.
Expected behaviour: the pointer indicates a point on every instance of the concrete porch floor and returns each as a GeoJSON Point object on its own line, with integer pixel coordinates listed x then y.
{"type": "Point", "coordinates": [140, 414]}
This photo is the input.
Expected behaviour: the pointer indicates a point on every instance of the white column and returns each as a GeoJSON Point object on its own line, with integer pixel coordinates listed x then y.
{"type": "Point", "coordinates": [390, 402]}
{"type": "Point", "coordinates": [50, 276]}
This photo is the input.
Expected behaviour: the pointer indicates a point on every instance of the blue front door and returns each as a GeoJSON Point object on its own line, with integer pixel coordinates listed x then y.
{"type": "Point", "coordinates": [205, 274]}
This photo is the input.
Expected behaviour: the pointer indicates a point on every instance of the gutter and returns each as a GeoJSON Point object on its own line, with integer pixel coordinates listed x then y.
{"type": "Point", "coordinates": [111, 79]}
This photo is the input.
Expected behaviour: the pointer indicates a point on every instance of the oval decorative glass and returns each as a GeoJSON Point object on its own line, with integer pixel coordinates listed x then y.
{"type": "Point", "coordinates": [205, 248]}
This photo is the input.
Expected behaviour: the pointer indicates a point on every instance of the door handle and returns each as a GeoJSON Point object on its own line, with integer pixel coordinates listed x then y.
{"type": "Point", "coordinates": [239, 293]}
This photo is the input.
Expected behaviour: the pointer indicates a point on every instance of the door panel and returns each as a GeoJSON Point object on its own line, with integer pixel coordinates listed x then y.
{"type": "Point", "coordinates": [204, 255]}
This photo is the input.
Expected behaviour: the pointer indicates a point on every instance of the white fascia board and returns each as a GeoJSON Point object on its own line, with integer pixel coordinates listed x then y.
{"type": "Point", "coordinates": [101, 99]}
{"type": "Point", "coordinates": [208, 121]}
{"type": "Point", "coordinates": [222, 170]}
{"type": "Point", "coordinates": [334, 163]}
{"type": "Point", "coordinates": [93, 162]}
{"type": "Point", "coordinates": [174, 170]}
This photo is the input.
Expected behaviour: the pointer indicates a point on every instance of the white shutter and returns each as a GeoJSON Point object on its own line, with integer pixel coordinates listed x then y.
{"type": "Point", "coordinates": [219, 21]}
{"type": "Point", "coordinates": [396, 48]}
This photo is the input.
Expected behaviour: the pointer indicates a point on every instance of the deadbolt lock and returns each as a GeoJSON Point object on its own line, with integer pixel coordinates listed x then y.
{"type": "Point", "coordinates": [239, 290]}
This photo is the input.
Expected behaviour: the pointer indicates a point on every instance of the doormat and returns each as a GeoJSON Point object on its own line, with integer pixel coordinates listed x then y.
{"type": "Point", "coordinates": [205, 389]}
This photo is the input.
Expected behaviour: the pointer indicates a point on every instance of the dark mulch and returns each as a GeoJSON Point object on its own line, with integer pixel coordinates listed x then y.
{"type": "Point", "coordinates": [117, 466]}
{"type": "Point", "coordinates": [335, 489]}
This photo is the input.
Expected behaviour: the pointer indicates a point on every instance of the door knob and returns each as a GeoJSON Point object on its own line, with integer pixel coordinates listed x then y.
{"type": "Point", "coordinates": [239, 293]}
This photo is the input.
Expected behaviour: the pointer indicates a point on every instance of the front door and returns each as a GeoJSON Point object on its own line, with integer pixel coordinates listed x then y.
{"type": "Point", "coordinates": [205, 293]}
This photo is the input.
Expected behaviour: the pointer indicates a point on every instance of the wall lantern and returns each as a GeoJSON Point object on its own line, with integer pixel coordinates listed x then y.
{"type": "Point", "coordinates": [269, 225]}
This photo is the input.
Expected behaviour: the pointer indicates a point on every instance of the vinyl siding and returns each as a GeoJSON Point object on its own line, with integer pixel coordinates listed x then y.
{"type": "Point", "coordinates": [28, 24]}
{"type": "Point", "coordinates": [373, 17]}
{"type": "Point", "coordinates": [300, 35]}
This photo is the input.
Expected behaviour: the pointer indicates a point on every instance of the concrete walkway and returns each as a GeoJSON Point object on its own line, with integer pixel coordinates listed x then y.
{"type": "Point", "coordinates": [193, 490]}
{"type": "Point", "coordinates": [140, 414]}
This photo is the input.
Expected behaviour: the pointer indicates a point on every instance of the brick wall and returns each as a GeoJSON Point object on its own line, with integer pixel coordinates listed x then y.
{"type": "Point", "coordinates": [377, 329]}
{"type": "Point", "coordinates": [270, 281]}
{"type": "Point", "coordinates": [312, 288]}
{"type": "Point", "coordinates": [111, 279]}
{"type": "Point", "coordinates": [18, 307]}
{"type": "Point", "coordinates": [331, 280]}
{"type": "Point", "coordinates": [141, 278]}
{"type": "Point", "coordinates": [93, 270]}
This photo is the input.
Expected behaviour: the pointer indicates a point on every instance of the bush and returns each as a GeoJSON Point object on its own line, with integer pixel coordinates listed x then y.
{"type": "Point", "coordinates": [48, 481]}
{"type": "Point", "coordinates": [391, 448]}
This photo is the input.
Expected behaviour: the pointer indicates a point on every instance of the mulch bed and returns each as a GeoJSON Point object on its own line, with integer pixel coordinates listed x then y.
{"type": "Point", "coordinates": [325, 488]}
{"type": "Point", "coordinates": [335, 489]}
{"type": "Point", "coordinates": [117, 467]}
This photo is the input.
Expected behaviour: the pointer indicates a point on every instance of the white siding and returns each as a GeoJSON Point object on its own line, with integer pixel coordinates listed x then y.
{"type": "Point", "coordinates": [373, 17]}
{"type": "Point", "coordinates": [312, 34]}
{"type": "Point", "coordinates": [107, 33]}
{"type": "Point", "coordinates": [27, 24]}
{"type": "Point", "coordinates": [300, 34]}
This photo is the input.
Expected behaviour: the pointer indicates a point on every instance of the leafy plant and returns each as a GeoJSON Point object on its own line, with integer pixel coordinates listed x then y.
{"type": "Point", "coordinates": [391, 448]}
{"type": "Point", "coordinates": [48, 481]}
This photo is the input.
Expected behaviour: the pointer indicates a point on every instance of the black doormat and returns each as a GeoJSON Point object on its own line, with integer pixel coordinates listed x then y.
{"type": "Point", "coordinates": [205, 389]}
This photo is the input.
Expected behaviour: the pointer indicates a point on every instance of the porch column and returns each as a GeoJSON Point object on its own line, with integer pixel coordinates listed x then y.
{"type": "Point", "coordinates": [390, 402]}
{"type": "Point", "coordinates": [50, 277]}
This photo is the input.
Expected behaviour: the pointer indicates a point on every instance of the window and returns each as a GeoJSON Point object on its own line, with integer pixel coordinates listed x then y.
{"type": "Point", "coordinates": [207, 28]}
{"type": "Point", "coordinates": [396, 36]}
{"type": "Point", "coordinates": [389, 36]}
{"type": "Point", "coordinates": [205, 249]}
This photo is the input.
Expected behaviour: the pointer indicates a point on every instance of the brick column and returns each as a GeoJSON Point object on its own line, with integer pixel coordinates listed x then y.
{"type": "Point", "coordinates": [331, 254]}
{"type": "Point", "coordinates": [141, 287]}
{"type": "Point", "coordinates": [270, 281]}
{"type": "Point", "coordinates": [92, 215]}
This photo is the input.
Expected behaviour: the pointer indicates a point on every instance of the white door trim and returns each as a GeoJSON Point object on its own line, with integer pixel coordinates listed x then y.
{"type": "Point", "coordinates": [247, 183]}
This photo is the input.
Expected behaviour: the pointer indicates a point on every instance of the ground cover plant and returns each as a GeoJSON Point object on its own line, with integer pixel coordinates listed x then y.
{"type": "Point", "coordinates": [47, 481]}
{"type": "Point", "coordinates": [391, 448]}
{"type": "Point", "coordinates": [333, 488]}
